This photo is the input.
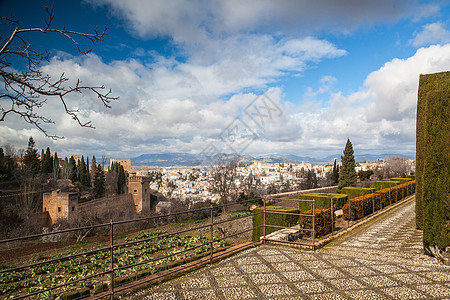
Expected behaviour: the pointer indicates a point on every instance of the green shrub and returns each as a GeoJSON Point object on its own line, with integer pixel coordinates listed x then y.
{"type": "Point", "coordinates": [322, 222]}
{"type": "Point", "coordinates": [323, 200]}
{"type": "Point", "coordinates": [353, 192]}
{"type": "Point", "coordinates": [380, 185]}
{"type": "Point", "coordinates": [413, 177]}
{"type": "Point", "coordinates": [273, 219]}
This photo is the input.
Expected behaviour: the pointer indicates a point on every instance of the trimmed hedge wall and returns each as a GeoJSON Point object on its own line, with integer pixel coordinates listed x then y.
{"type": "Point", "coordinates": [322, 222]}
{"type": "Point", "coordinates": [359, 207]}
{"type": "Point", "coordinates": [379, 185]}
{"type": "Point", "coordinates": [431, 107]}
{"type": "Point", "coordinates": [354, 192]}
{"type": "Point", "coordinates": [436, 170]}
{"type": "Point", "coordinates": [323, 200]}
{"type": "Point", "coordinates": [413, 177]}
{"type": "Point", "coordinates": [402, 180]}
{"type": "Point", "coordinates": [273, 219]}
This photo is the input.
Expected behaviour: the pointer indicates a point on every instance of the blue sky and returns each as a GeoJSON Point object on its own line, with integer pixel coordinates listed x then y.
{"type": "Point", "coordinates": [188, 74]}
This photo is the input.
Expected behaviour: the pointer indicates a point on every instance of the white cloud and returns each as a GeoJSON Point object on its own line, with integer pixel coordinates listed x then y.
{"type": "Point", "coordinates": [393, 88]}
{"type": "Point", "coordinates": [431, 34]}
{"type": "Point", "coordinates": [378, 118]}
{"type": "Point", "coordinates": [181, 106]}
{"type": "Point", "coordinates": [193, 21]}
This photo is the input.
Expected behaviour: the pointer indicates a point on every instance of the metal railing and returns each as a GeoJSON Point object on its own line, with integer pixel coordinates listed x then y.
{"type": "Point", "coordinates": [297, 228]}
{"type": "Point", "coordinates": [210, 248]}
{"type": "Point", "coordinates": [149, 269]}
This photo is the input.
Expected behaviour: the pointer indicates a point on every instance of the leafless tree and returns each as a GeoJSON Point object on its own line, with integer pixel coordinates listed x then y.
{"type": "Point", "coordinates": [24, 92]}
{"type": "Point", "coordinates": [251, 185]}
{"type": "Point", "coordinates": [395, 166]}
{"type": "Point", "coordinates": [28, 202]}
{"type": "Point", "coordinates": [104, 160]}
{"type": "Point", "coordinates": [223, 180]}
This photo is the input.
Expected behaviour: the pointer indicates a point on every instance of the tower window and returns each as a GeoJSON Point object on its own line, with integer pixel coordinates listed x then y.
{"type": "Point", "coordinates": [59, 209]}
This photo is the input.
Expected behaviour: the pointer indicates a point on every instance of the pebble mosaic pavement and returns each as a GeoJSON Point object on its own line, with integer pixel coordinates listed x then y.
{"type": "Point", "coordinates": [381, 260]}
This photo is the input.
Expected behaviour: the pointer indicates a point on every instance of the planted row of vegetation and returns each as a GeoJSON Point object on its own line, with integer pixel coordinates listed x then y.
{"type": "Point", "coordinates": [366, 204]}
{"type": "Point", "coordinates": [355, 203]}
{"type": "Point", "coordinates": [138, 256]}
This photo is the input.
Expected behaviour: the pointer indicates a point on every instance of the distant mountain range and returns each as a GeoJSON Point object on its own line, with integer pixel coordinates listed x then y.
{"type": "Point", "coordinates": [192, 160]}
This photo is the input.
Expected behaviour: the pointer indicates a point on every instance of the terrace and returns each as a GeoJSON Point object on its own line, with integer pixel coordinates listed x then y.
{"type": "Point", "coordinates": [135, 253]}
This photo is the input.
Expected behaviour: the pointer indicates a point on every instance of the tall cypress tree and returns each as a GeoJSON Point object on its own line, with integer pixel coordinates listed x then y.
{"type": "Point", "coordinates": [83, 175]}
{"type": "Point", "coordinates": [6, 166]}
{"type": "Point", "coordinates": [335, 174]}
{"type": "Point", "coordinates": [121, 180]}
{"type": "Point", "coordinates": [46, 162]}
{"type": "Point", "coordinates": [93, 169]}
{"type": "Point", "coordinates": [99, 182]}
{"type": "Point", "coordinates": [42, 162]}
{"type": "Point", "coordinates": [30, 159]}
{"type": "Point", "coordinates": [88, 172]}
{"type": "Point", "coordinates": [347, 174]}
{"type": "Point", "coordinates": [73, 170]}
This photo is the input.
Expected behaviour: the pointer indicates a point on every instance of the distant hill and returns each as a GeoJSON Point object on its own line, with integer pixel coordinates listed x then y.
{"type": "Point", "coordinates": [192, 160]}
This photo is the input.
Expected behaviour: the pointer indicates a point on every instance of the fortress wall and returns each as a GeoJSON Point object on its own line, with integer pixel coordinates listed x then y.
{"type": "Point", "coordinates": [115, 208]}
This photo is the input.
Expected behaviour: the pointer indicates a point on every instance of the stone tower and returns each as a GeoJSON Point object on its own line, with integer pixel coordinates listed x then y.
{"type": "Point", "coordinates": [60, 205]}
{"type": "Point", "coordinates": [139, 188]}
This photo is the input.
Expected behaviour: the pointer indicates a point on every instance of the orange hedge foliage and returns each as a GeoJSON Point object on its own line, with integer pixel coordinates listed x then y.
{"type": "Point", "coordinates": [322, 221]}
{"type": "Point", "coordinates": [359, 207]}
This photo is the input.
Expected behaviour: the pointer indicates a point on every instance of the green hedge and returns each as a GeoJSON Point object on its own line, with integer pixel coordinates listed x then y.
{"type": "Point", "coordinates": [413, 177]}
{"type": "Point", "coordinates": [273, 219]}
{"type": "Point", "coordinates": [354, 192]}
{"type": "Point", "coordinates": [322, 222]}
{"type": "Point", "coordinates": [323, 200]}
{"type": "Point", "coordinates": [436, 170]}
{"type": "Point", "coordinates": [402, 180]}
{"type": "Point", "coordinates": [380, 185]}
{"type": "Point", "coordinates": [359, 207]}
{"type": "Point", "coordinates": [428, 83]}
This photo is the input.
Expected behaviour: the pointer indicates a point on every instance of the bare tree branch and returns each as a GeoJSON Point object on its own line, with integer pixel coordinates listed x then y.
{"type": "Point", "coordinates": [29, 89]}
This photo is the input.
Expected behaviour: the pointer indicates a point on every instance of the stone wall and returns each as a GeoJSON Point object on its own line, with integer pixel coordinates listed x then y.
{"type": "Point", "coordinates": [114, 208]}
{"type": "Point", "coordinates": [125, 162]}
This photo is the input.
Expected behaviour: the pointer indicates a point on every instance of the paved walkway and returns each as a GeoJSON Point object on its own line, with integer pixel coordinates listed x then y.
{"type": "Point", "coordinates": [381, 260]}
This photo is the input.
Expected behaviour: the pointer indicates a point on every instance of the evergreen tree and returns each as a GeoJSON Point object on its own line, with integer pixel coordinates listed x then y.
{"type": "Point", "coordinates": [311, 181]}
{"type": "Point", "coordinates": [30, 159]}
{"type": "Point", "coordinates": [347, 174]}
{"type": "Point", "coordinates": [42, 162]}
{"type": "Point", "coordinates": [335, 174]}
{"type": "Point", "coordinates": [93, 168]}
{"type": "Point", "coordinates": [88, 172]}
{"type": "Point", "coordinates": [55, 168]}
{"type": "Point", "coordinates": [72, 170]}
{"type": "Point", "coordinates": [46, 162]}
{"type": "Point", "coordinates": [121, 176]}
{"type": "Point", "coordinates": [56, 163]}
{"type": "Point", "coordinates": [66, 169]}
{"type": "Point", "coordinates": [99, 182]}
{"type": "Point", "coordinates": [6, 166]}
{"type": "Point", "coordinates": [82, 172]}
